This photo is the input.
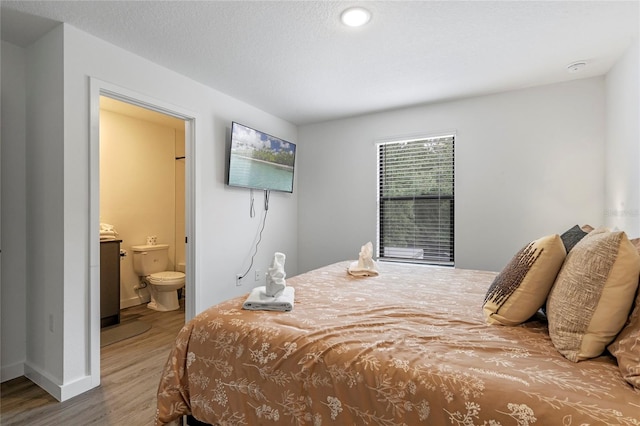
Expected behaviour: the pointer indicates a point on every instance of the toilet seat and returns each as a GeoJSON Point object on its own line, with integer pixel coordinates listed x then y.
{"type": "Point", "coordinates": [166, 278]}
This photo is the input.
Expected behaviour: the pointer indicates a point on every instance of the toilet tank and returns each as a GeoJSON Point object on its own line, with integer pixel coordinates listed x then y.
{"type": "Point", "coordinates": [149, 259]}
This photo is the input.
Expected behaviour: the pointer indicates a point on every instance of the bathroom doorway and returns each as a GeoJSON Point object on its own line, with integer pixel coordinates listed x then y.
{"type": "Point", "coordinates": [165, 122]}
{"type": "Point", "coordinates": [142, 199]}
{"type": "Point", "coordinates": [99, 89]}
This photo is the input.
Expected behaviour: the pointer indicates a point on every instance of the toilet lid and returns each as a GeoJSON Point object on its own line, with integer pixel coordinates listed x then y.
{"type": "Point", "coordinates": [166, 277]}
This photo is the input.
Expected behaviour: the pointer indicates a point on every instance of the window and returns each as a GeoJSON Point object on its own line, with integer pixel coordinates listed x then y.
{"type": "Point", "coordinates": [416, 200]}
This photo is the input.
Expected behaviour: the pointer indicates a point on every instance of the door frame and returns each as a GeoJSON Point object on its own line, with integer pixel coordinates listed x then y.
{"type": "Point", "coordinates": [101, 88]}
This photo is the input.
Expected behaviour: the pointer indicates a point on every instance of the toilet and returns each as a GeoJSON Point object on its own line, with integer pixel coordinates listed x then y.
{"type": "Point", "coordinates": [150, 263]}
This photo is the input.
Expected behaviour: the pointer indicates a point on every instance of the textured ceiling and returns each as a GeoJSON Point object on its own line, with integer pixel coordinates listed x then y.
{"type": "Point", "coordinates": [295, 60]}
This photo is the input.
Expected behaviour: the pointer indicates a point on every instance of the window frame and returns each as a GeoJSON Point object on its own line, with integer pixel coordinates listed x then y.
{"type": "Point", "coordinates": [380, 201]}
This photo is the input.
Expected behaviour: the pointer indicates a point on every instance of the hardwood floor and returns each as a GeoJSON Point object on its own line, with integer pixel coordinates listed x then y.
{"type": "Point", "coordinates": [130, 374]}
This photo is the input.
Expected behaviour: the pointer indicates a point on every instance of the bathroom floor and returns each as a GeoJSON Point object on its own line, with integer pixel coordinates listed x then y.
{"type": "Point", "coordinates": [142, 313]}
{"type": "Point", "coordinates": [130, 373]}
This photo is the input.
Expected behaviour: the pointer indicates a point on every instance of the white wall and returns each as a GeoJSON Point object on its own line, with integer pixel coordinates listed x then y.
{"type": "Point", "coordinates": [47, 315]}
{"type": "Point", "coordinates": [58, 194]}
{"type": "Point", "coordinates": [528, 163]}
{"type": "Point", "coordinates": [13, 292]}
{"type": "Point", "coordinates": [622, 208]}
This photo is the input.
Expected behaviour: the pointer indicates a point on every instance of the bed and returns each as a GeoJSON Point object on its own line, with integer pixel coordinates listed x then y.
{"type": "Point", "coordinates": [410, 346]}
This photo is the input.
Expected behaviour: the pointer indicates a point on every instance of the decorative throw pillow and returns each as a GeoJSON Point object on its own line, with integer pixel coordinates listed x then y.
{"type": "Point", "coordinates": [591, 299]}
{"type": "Point", "coordinates": [587, 228]}
{"type": "Point", "coordinates": [626, 348]}
{"type": "Point", "coordinates": [521, 288]}
{"type": "Point", "coordinates": [636, 243]}
{"type": "Point", "coordinates": [572, 236]}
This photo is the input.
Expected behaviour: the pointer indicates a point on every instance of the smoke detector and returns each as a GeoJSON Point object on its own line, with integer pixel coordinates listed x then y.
{"type": "Point", "coordinates": [576, 67]}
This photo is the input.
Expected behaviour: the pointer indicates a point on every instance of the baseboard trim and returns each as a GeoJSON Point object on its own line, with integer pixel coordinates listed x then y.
{"type": "Point", "coordinates": [12, 371]}
{"type": "Point", "coordinates": [43, 380]}
{"type": "Point", "coordinates": [77, 387]}
{"type": "Point", "coordinates": [59, 392]}
{"type": "Point", "coordinates": [132, 301]}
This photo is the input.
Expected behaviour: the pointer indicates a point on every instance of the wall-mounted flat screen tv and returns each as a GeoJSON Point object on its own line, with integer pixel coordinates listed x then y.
{"type": "Point", "coordinates": [260, 161]}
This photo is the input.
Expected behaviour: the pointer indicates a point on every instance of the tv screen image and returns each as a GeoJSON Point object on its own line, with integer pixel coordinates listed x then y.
{"type": "Point", "coordinates": [260, 161]}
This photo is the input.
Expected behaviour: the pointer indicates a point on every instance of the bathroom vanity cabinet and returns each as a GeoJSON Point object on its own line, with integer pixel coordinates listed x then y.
{"type": "Point", "coordinates": [109, 282]}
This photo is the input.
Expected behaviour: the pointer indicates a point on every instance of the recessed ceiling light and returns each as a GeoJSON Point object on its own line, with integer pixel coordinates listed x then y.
{"type": "Point", "coordinates": [576, 66]}
{"type": "Point", "coordinates": [355, 16]}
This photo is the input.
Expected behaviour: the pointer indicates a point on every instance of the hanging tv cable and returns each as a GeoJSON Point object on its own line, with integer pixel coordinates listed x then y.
{"type": "Point", "coordinates": [252, 209]}
{"type": "Point", "coordinates": [264, 221]}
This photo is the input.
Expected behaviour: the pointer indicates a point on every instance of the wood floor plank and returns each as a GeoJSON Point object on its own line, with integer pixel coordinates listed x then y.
{"type": "Point", "coordinates": [130, 374]}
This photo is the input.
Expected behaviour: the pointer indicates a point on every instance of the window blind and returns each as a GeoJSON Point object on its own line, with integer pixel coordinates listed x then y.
{"type": "Point", "coordinates": [416, 200]}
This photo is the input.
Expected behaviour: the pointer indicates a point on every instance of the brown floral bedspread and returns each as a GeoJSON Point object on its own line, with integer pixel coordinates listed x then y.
{"type": "Point", "coordinates": [407, 347]}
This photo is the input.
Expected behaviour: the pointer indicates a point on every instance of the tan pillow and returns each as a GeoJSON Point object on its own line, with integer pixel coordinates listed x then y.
{"type": "Point", "coordinates": [636, 243]}
{"type": "Point", "coordinates": [523, 285]}
{"type": "Point", "coordinates": [591, 299]}
{"type": "Point", "coordinates": [587, 228]}
{"type": "Point", "coordinates": [626, 347]}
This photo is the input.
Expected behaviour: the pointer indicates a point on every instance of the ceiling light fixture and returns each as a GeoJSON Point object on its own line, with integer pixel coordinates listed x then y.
{"type": "Point", "coordinates": [355, 16]}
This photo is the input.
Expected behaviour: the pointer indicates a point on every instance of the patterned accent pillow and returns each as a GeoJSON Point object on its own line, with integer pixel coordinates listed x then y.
{"type": "Point", "coordinates": [591, 299]}
{"type": "Point", "coordinates": [572, 236]}
{"type": "Point", "coordinates": [626, 347]}
{"type": "Point", "coordinates": [521, 288]}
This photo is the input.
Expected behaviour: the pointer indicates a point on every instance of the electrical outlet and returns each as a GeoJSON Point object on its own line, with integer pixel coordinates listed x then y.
{"type": "Point", "coordinates": [51, 323]}
{"type": "Point", "coordinates": [238, 280]}
{"type": "Point", "coordinates": [258, 275]}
